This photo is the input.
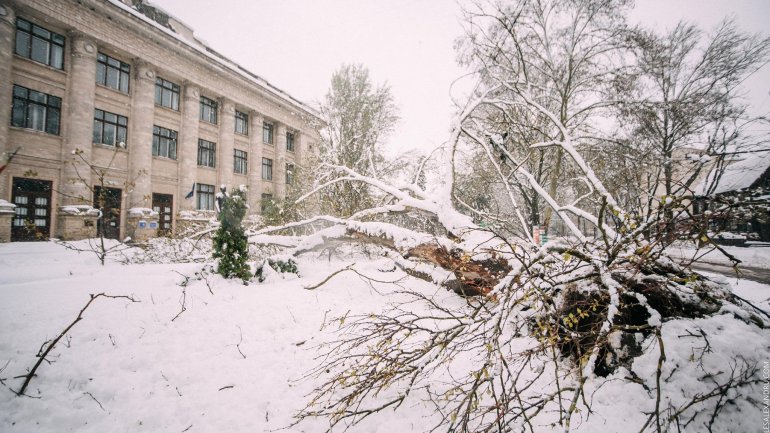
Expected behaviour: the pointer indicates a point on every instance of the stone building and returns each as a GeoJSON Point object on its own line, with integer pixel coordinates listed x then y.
{"type": "Point", "coordinates": [115, 107]}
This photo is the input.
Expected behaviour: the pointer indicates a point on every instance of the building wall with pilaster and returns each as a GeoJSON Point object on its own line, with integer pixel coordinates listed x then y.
{"type": "Point", "coordinates": [102, 26]}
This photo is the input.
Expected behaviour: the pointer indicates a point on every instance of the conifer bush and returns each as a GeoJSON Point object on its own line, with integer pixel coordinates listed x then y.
{"type": "Point", "coordinates": [230, 242]}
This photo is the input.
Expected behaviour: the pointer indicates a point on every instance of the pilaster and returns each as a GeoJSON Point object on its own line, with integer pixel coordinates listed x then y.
{"type": "Point", "coordinates": [140, 136]}
{"type": "Point", "coordinates": [279, 166]}
{"type": "Point", "coordinates": [6, 217]}
{"type": "Point", "coordinates": [188, 145]}
{"type": "Point", "coordinates": [255, 162]}
{"type": "Point", "coordinates": [7, 30]}
{"type": "Point", "coordinates": [225, 160]}
{"type": "Point", "coordinates": [77, 121]}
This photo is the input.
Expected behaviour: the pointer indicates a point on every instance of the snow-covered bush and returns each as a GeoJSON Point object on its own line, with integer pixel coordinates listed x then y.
{"type": "Point", "coordinates": [270, 266]}
{"type": "Point", "coordinates": [230, 244]}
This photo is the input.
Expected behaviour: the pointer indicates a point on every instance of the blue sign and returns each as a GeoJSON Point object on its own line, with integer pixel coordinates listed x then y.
{"type": "Point", "coordinates": [153, 225]}
{"type": "Point", "coordinates": [142, 224]}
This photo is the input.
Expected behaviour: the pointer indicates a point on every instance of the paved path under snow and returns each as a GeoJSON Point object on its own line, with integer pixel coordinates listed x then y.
{"type": "Point", "coordinates": [760, 275]}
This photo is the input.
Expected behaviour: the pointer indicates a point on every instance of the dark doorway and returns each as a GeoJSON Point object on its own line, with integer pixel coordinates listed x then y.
{"type": "Point", "coordinates": [108, 201]}
{"type": "Point", "coordinates": [163, 204]}
{"type": "Point", "coordinates": [32, 221]}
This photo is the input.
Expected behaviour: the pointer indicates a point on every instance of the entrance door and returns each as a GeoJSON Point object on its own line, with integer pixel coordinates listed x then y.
{"type": "Point", "coordinates": [163, 204]}
{"type": "Point", "coordinates": [108, 201]}
{"type": "Point", "coordinates": [32, 221]}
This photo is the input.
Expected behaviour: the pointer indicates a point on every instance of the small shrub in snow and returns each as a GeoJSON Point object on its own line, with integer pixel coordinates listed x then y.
{"type": "Point", "coordinates": [230, 241]}
{"type": "Point", "coordinates": [288, 266]}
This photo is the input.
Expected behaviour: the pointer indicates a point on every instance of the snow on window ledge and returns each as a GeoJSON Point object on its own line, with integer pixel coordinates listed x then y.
{"type": "Point", "coordinates": [79, 210]}
{"type": "Point", "coordinates": [6, 207]}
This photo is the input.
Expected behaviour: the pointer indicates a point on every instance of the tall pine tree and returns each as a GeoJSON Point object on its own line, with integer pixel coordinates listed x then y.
{"type": "Point", "coordinates": [230, 243]}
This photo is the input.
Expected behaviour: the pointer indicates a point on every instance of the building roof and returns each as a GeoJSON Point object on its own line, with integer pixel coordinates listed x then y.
{"type": "Point", "coordinates": [160, 19]}
{"type": "Point", "coordinates": [738, 175]}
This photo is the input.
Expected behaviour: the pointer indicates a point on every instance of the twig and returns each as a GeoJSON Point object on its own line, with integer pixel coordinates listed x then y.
{"type": "Point", "coordinates": [658, 373]}
{"type": "Point", "coordinates": [238, 345]}
{"type": "Point", "coordinates": [227, 387]}
{"type": "Point", "coordinates": [183, 302]}
{"type": "Point", "coordinates": [94, 399]}
{"type": "Point", "coordinates": [326, 280]}
{"type": "Point", "coordinates": [42, 357]}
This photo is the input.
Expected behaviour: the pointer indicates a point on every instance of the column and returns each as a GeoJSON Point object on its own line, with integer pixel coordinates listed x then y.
{"type": "Point", "coordinates": [78, 122]}
{"type": "Point", "coordinates": [7, 31]}
{"type": "Point", "coordinates": [225, 161]}
{"type": "Point", "coordinates": [77, 132]}
{"type": "Point", "coordinates": [140, 136]}
{"type": "Point", "coordinates": [298, 143]}
{"type": "Point", "coordinates": [255, 162]}
{"type": "Point", "coordinates": [279, 169]}
{"type": "Point", "coordinates": [187, 151]}
{"type": "Point", "coordinates": [142, 221]}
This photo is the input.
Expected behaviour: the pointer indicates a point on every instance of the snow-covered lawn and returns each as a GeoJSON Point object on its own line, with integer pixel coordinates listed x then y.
{"type": "Point", "coordinates": [233, 360]}
{"type": "Point", "coordinates": [129, 367]}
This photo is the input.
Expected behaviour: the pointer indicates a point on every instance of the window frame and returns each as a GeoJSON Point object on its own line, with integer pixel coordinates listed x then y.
{"type": "Point", "coordinates": [207, 153]}
{"type": "Point", "coordinates": [54, 43]}
{"type": "Point", "coordinates": [204, 195]}
{"type": "Point", "coordinates": [163, 87]}
{"type": "Point", "coordinates": [241, 119]}
{"type": "Point", "coordinates": [49, 103]}
{"type": "Point", "coordinates": [164, 137]}
{"type": "Point", "coordinates": [289, 173]}
{"type": "Point", "coordinates": [266, 199]}
{"type": "Point", "coordinates": [240, 161]}
{"type": "Point", "coordinates": [290, 138]}
{"type": "Point", "coordinates": [209, 110]}
{"type": "Point", "coordinates": [115, 123]}
{"type": "Point", "coordinates": [106, 63]}
{"type": "Point", "coordinates": [268, 133]}
{"type": "Point", "coordinates": [267, 169]}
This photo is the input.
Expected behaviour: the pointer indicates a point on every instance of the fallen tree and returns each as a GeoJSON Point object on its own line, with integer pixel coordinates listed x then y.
{"type": "Point", "coordinates": [544, 329]}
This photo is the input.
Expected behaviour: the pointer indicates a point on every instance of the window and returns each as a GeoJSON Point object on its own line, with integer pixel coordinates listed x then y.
{"type": "Point", "coordinates": [267, 169]}
{"type": "Point", "coordinates": [36, 110]}
{"type": "Point", "coordinates": [39, 44]}
{"type": "Point", "coordinates": [207, 152]}
{"type": "Point", "coordinates": [267, 202]}
{"type": "Point", "coordinates": [290, 141]}
{"type": "Point", "coordinates": [289, 174]}
{"type": "Point", "coordinates": [164, 142]}
{"type": "Point", "coordinates": [166, 94]}
{"type": "Point", "coordinates": [241, 162]}
{"type": "Point", "coordinates": [241, 123]}
{"type": "Point", "coordinates": [267, 133]}
{"type": "Point", "coordinates": [109, 128]}
{"type": "Point", "coordinates": [112, 72]}
{"type": "Point", "coordinates": [209, 110]}
{"type": "Point", "coordinates": [205, 200]}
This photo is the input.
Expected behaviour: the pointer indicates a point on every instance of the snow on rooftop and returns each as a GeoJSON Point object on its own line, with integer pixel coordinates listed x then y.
{"type": "Point", "coordinates": [200, 46]}
{"type": "Point", "coordinates": [737, 176]}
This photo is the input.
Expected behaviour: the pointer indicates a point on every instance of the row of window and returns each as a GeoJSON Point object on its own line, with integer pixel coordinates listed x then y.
{"type": "Point", "coordinates": [43, 46]}
{"type": "Point", "coordinates": [205, 197]}
{"type": "Point", "coordinates": [207, 154]}
{"type": "Point", "coordinates": [42, 112]}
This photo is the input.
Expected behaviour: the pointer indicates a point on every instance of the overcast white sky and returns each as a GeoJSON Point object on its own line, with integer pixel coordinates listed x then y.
{"type": "Point", "coordinates": [298, 44]}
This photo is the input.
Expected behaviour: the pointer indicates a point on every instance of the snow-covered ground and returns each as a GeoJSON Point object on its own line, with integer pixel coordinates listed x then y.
{"type": "Point", "coordinates": [129, 367]}
{"type": "Point", "coordinates": [233, 361]}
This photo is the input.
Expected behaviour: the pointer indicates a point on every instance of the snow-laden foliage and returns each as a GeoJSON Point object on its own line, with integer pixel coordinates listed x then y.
{"type": "Point", "coordinates": [230, 244]}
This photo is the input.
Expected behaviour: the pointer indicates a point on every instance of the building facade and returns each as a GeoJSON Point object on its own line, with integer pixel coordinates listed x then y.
{"type": "Point", "coordinates": [119, 120]}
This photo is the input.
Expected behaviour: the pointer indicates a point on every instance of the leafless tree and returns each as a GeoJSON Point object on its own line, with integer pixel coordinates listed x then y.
{"type": "Point", "coordinates": [357, 116]}
{"type": "Point", "coordinates": [683, 111]}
